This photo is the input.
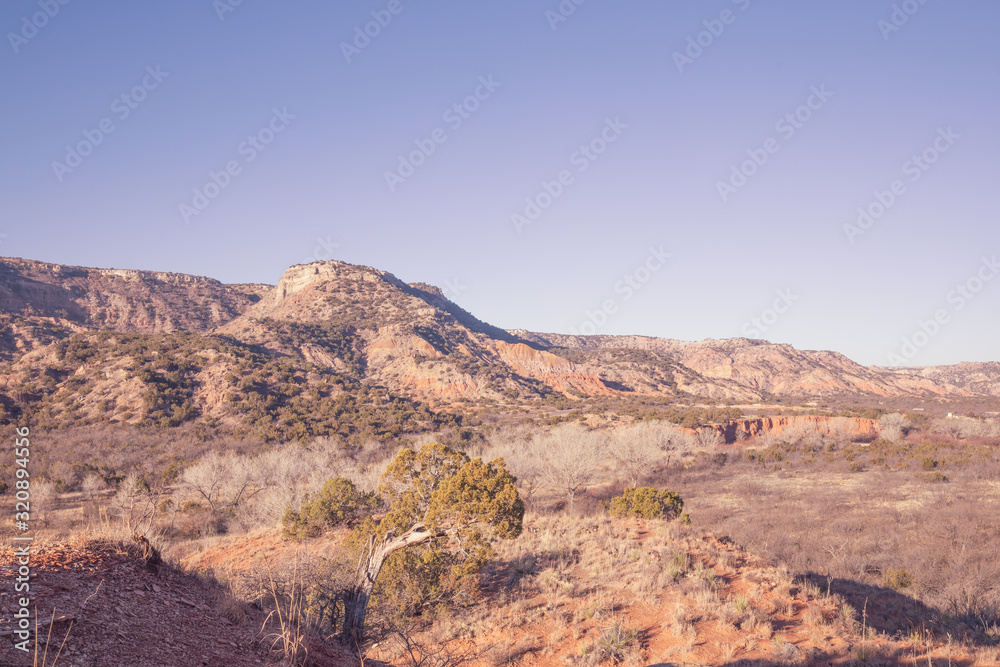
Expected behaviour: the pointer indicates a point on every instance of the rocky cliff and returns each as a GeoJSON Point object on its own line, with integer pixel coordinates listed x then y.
{"type": "Point", "coordinates": [120, 299]}
{"type": "Point", "coordinates": [201, 349]}
{"type": "Point", "coordinates": [757, 368]}
{"type": "Point", "coordinates": [850, 428]}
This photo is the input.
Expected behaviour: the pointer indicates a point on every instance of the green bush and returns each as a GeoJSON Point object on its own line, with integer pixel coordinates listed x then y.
{"type": "Point", "coordinates": [899, 579]}
{"type": "Point", "coordinates": [339, 502]}
{"type": "Point", "coordinates": [647, 503]}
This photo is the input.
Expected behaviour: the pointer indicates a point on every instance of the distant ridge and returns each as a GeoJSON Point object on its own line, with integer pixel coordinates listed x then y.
{"type": "Point", "coordinates": [335, 328]}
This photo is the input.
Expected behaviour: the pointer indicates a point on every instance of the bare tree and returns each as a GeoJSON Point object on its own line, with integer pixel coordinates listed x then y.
{"type": "Point", "coordinates": [514, 444]}
{"type": "Point", "coordinates": [208, 478]}
{"type": "Point", "coordinates": [62, 470]}
{"type": "Point", "coordinates": [526, 467]}
{"type": "Point", "coordinates": [742, 431]}
{"type": "Point", "coordinates": [893, 426]}
{"type": "Point", "coordinates": [671, 439]}
{"type": "Point", "coordinates": [636, 449]}
{"type": "Point", "coordinates": [91, 486]}
{"type": "Point", "coordinates": [225, 480]}
{"type": "Point", "coordinates": [134, 505]}
{"type": "Point", "coordinates": [709, 438]}
{"type": "Point", "coordinates": [569, 457]}
{"type": "Point", "coordinates": [807, 434]}
{"type": "Point", "coordinates": [43, 499]}
{"type": "Point", "coordinates": [951, 427]}
{"type": "Point", "coordinates": [840, 430]}
{"type": "Point", "coordinates": [769, 438]}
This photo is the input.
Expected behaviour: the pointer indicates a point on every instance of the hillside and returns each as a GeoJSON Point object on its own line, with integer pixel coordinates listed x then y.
{"type": "Point", "coordinates": [87, 346]}
{"type": "Point", "coordinates": [978, 378]}
{"type": "Point", "coordinates": [758, 368]}
{"type": "Point", "coordinates": [121, 299]}
{"type": "Point", "coordinates": [595, 591]}
{"type": "Point", "coordinates": [114, 611]}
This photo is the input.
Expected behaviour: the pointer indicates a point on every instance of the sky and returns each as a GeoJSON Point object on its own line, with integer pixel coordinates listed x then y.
{"type": "Point", "coordinates": [818, 174]}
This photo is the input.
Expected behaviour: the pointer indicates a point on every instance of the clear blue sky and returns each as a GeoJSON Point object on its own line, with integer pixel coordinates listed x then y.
{"type": "Point", "coordinates": [198, 82]}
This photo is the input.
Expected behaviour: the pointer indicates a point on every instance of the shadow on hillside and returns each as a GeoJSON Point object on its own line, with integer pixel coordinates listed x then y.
{"type": "Point", "coordinates": [504, 574]}
{"type": "Point", "coordinates": [818, 658]}
{"type": "Point", "coordinates": [617, 386]}
{"type": "Point", "coordinates": [893, 613]}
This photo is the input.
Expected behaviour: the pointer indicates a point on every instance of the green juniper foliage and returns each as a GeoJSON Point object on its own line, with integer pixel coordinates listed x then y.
{"type": "Point", "coordinates": [647, 503]}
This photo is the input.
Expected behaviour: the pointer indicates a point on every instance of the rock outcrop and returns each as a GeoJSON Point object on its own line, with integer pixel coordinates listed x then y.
{"type": "Point", "coordinates": [120, 300]}
{"type": "Point", "coordinates": [850, 428]}
{"type": "Point", "coordinates": [763, 369]}
{"type": "Point", "coordinates": [366, 327]}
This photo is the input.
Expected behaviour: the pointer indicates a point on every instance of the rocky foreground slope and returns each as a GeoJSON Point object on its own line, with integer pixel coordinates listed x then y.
{"type": "Point", "coordinates": [107, 608]}
{"type": "Point", "coordinates": [138, 346]}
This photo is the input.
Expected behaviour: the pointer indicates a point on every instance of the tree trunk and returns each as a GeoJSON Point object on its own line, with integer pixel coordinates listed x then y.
{"type": "Point", "coordinates": [369, 567]}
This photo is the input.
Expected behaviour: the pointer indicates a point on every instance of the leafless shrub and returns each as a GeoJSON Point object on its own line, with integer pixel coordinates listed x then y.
{"type": "Point", "coordinates": [134, 505]}
{"type": "Point", "coordinates": [569, 457]}
{"type": "Point", "coordinates": [769, 438]}
{"type": "Point", "coordinates": [91, 486]}
{"type": "Point", "coordinates": [961, 427]}
{"type": "Point", "coordinates": [526, 467]}
{"type": "Point", "coordinates": [743, 431]}
{"type": "Point", "coordinates": [509, 437]}
{"type": "Point", "coordinates": [636, 449]}
{"type": "Point", "coordinates": [64, 474]}
{"type": "Point", "coordinates": [43, 499]}
{"type": "Point", "coordinates": [787, 652]}
{"type": "Point", "coordinates": [219, 479]}
{"type": "Point", "coordinates": [893, 426]}
{"type": "Point", "coordinates": [807, 436]}
{"type": "Point", "coordinates": [432, 651]}
{"type": "Point", "coordinates": [709, 439]}
{"type": "Point", "coordinates": [372, 454]}
{"type": "Point", "coordinates": [670, 439]}
{"type": "Point", "coordinates": [515, 445]}
{"type": "Point", "coordinates": [282, 478]}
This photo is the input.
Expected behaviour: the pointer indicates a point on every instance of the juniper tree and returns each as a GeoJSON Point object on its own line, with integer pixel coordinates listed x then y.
{"type": "Point", "coordinates": [438, 497]}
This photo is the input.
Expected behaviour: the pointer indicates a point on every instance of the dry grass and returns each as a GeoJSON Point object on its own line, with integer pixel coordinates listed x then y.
{"type": "Point", "coordinates": [817, 541]}
{"type": "Point", "coordinates": [937, 545]}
